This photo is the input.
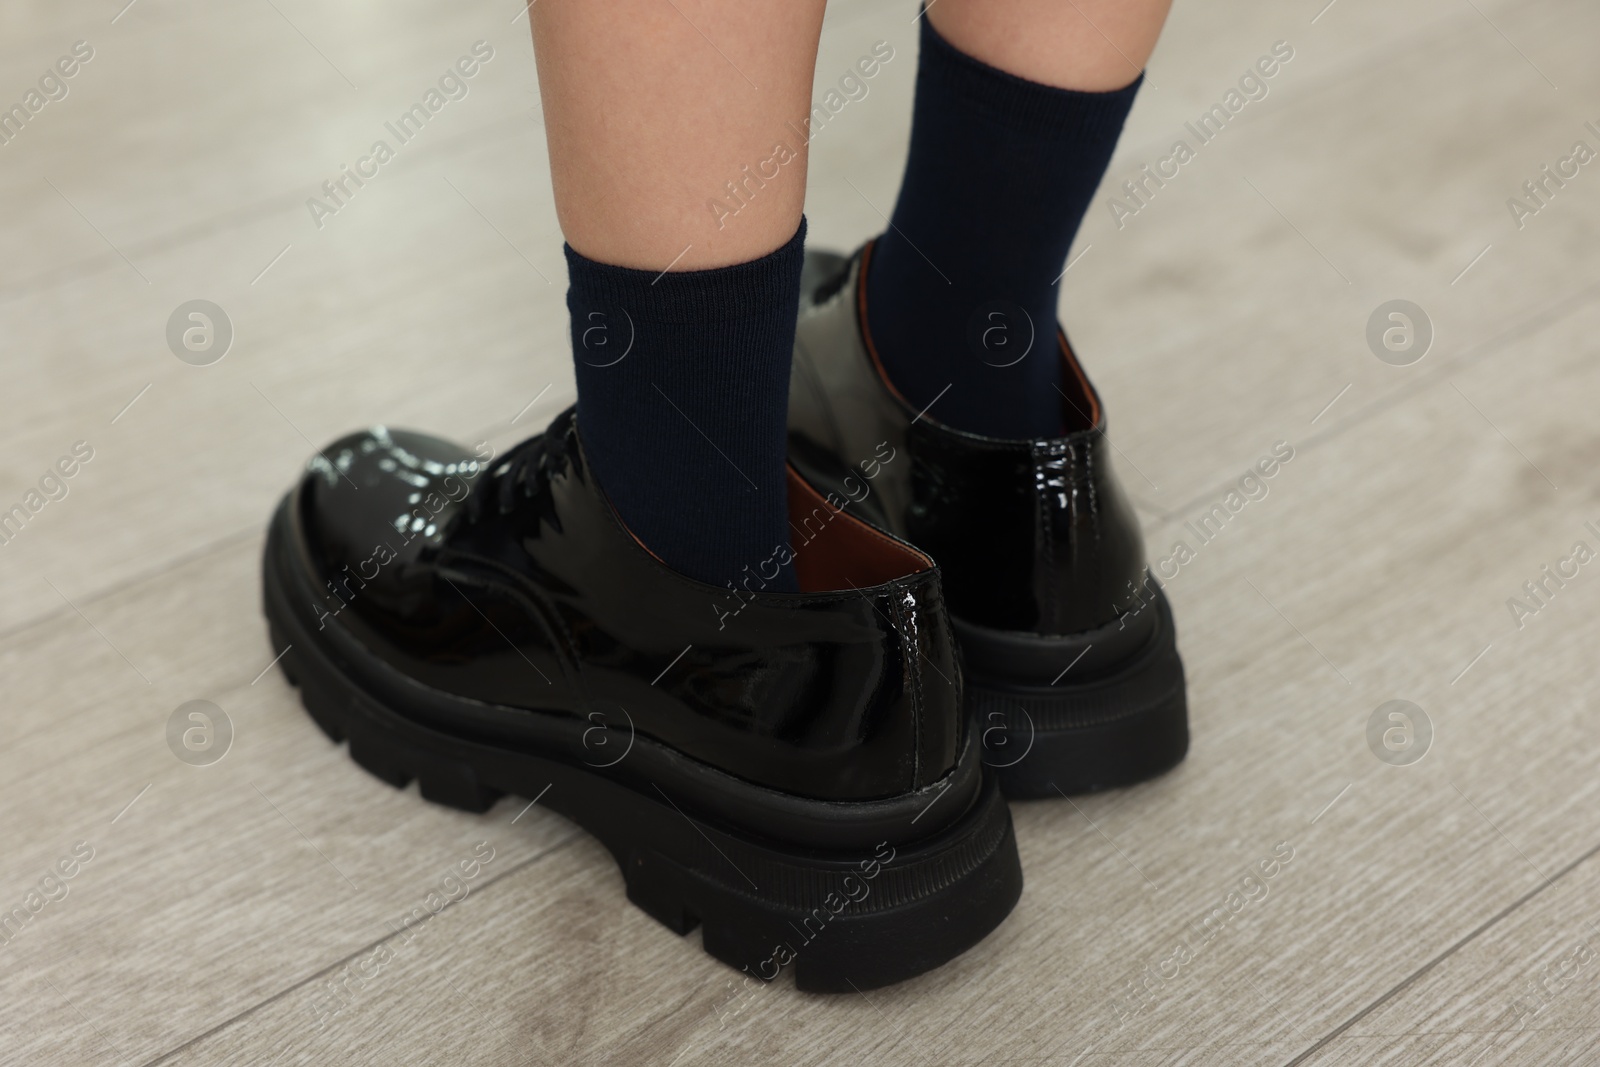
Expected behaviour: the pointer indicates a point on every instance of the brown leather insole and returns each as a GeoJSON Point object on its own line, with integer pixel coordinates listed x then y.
{"type": "Point", "coordinates": [835, 550]}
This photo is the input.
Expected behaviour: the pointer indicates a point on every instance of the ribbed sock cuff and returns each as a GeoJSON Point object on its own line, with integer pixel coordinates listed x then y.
{"type": "Point", "coordinates": [691, 297]}
{"type": "Point", "coordinates": [1019, 104]}
{"type": "Point", "coordinates": [683, 389]}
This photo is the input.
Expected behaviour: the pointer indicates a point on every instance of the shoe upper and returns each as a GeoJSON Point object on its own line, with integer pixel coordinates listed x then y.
{"type": "Point", "coordinates": [1031, 535]}
{"type": "Point", "coordinates": [510, 580]}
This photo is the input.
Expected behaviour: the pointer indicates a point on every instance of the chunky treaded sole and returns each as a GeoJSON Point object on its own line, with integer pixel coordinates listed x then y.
{"type": "Point", "coordinates": [842, 920]}
{"type": "Point", "coordinates": [1119, 727]}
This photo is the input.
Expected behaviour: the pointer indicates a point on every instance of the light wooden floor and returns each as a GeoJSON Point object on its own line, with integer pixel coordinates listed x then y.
{"type": "Point", "coordinates": [1441, 912]}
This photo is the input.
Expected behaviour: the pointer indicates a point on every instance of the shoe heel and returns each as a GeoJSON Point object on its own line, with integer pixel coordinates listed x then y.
{"type": "Point", "coordinates": [1124, 724]}
{"type": "Point", "coordinates": [840, 923]}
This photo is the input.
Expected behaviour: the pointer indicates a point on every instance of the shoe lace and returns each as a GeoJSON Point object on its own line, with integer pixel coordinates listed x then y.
{"type": "Point", "coordinates": [521, 473]}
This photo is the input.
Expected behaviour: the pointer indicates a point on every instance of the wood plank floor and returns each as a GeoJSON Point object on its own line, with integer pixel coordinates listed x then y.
{"type": "Point", "coordinates": [1438, 912]}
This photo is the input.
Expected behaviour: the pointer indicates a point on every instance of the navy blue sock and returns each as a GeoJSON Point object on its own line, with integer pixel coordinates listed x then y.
{"type": "Point", "coordinates": [961, 289]}
{"type": "Point", "coordinates": [683, 393]}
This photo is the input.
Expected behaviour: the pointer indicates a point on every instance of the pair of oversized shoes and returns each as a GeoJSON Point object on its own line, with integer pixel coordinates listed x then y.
{"type": "Point", "coordinates": [815, 779]}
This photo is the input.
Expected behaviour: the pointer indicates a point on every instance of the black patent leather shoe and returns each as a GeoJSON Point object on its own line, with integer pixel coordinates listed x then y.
{"type": "Point", "coordinates": [789, 771]}
{"type": "Point", "coordinates": [1072, 668]}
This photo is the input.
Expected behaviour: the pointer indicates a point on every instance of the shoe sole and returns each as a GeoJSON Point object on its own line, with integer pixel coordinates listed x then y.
{"type": "Point", "coordinates": [842, 919]}
{"type": "Point", "coordinates": [1124, 723]}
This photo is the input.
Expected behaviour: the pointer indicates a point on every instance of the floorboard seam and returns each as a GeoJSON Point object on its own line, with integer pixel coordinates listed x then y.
{"type": "Point", "coordinates": [1534, 324]}
{"type": "Point", "coordinates": [1338, 76]}
{"type": "Point", "coordinates": [302, 983]}
{"type": "Point", "coordinates": [122, 585]}
{"type": "Point", "coordinates": [1420, 972]}
{"type": "Point", "coordinates": [236, 218]}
